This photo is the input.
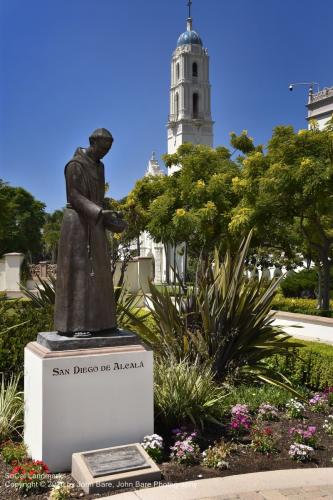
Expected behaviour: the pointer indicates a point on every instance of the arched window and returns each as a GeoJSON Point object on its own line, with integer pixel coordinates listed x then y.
{"type": "Point", "coordinates": [195, 105]}
{"type": "Point", "coordinates": [177, 71]}
{"type": "Point", "coordinates": [177, 106]}
{"type": "Point", "coordinates": [194, 69]}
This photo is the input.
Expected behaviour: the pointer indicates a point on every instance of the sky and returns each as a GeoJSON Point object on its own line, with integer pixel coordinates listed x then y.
{"type": "Point", "coordinates": [68, 67]}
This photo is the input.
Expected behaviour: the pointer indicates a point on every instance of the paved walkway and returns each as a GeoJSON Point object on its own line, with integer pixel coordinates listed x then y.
{"type": "Point", "coordinates": [308, 327]}
{"type": "Point", "coordinates": [273, 485]}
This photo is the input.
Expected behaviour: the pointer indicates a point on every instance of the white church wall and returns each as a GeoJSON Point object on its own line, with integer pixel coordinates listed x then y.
{"type": "Point", "coordinates": [137, 275]}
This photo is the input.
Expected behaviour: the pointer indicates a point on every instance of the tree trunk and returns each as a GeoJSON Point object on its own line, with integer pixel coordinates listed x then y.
{"type": "Point", "coordinates": [185, 265]}
{"type": "Point", "coordinates": [167, 262]}
{"type": "Point", "coordinates": [174, 265]}
{"type": "Point", "coordinates": [138, 247]}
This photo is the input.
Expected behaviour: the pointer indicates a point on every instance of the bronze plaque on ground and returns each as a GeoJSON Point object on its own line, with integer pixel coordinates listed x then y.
{"type": "Point", "coordinates": [114, 461]}
{"type": "Point", "coordinates": [109, 469]}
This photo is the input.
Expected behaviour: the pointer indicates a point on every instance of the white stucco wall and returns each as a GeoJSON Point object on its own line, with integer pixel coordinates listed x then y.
{"type": "Point", "coordinates": [10, 274]}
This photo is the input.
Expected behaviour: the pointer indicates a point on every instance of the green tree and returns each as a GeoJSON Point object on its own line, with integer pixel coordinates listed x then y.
{"type": "Point", "coordinates": [20, 229]}
{"type": "Point", "coordinates": [136, 205]}
{"type": "Point", "coordinates": [192, 206]}
{"type": "Point", "coordinates": [51, 232]}
{"type": "Point", "coordinates": [4, 210]}
{"type": "Point", "coordinates": [196, 205]}
{"type": "Point", "coordinates": [287, 195]}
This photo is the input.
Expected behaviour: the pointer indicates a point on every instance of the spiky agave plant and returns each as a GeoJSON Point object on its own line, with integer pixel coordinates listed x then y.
{"type": "Point", "coordinates": [44, 295]}
{"type": "Point", "coordinates": [237, 322]}
{"type": "Point", "coordinates": [225, 319]}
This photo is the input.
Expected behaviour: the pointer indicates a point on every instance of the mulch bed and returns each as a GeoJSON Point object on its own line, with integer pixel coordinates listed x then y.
{"type": "Point", "coordinates": [243, 460]}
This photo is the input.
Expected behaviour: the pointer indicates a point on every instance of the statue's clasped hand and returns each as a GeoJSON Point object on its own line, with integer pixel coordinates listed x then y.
{"type": "Point", "coordinates": [113, 221]}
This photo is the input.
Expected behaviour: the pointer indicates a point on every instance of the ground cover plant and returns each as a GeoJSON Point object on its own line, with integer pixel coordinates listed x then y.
{"type": "Point", "coordinates": [256, 395]}
{"type": "Point", "coordinates": [185, 450]}
{"type": "Point", "coordinates": [30, 475]}
{"type": "Point", "coordinates": [61, 491]}
{"type": "Point", "coordinates": [153, 445]}
{"type": "Point", "coordinates": [304, 434]}
{"type": "Point", "coordinates": [13, 453]}
{"type": "Point", "coordinates": [328, 425]}
{"type": "Point", "coordinates": [295, 409]}
{"type": "Point", "coordinates": [215, 456]}
{"type": "Point", "coordinates": [301, 452]}
{"type": "Point", "coordinates": [262, 439]}
{"type": "Point", "coordinates": [240, 419]}
{"type": "Point", "coordinates": [267, 411]}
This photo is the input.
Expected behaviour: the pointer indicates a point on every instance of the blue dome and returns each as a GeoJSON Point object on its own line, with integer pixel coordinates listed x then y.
{"type": "Point", "coordinates": [189, 37]}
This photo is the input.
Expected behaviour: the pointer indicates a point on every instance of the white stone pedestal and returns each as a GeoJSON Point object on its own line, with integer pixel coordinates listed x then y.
{"type": "Point", "coordinates": [85, 399]}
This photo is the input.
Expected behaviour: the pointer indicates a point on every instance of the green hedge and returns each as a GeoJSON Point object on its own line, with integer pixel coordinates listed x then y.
{"type": "Point", "coordinates": [302, 306]}
{"type": "Point", "coordinates": [302, 284]}
{"type": "Point", "coordinates": [310, 365]}
{"type": "Point", "coordinates": [13, 341]}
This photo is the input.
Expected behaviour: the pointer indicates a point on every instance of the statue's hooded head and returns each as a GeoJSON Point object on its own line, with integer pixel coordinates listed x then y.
{"type": "Point", "coordinates": [100, 142]}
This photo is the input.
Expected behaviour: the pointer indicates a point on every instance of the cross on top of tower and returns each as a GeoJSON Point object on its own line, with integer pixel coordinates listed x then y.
{"type": "Point", "coordinates": [189, 3]}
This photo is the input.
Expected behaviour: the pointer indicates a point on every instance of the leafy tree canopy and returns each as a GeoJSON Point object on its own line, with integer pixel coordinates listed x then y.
{"type": "Point", "coordinates": [287, 194]}
{"type": "Point", "coordinates": [51, 232]}
{"type": "Point", "coordinates": [194, 204]}
{"type": "Point", "coordinates": [21, 222]}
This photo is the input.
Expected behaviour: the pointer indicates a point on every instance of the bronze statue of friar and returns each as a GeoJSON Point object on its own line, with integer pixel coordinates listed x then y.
{"type": "Point", "coordinates": [85, 303]}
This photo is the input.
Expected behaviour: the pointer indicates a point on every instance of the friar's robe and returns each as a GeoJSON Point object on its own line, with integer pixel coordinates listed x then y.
{"type": "Point", "coordinates": [84, 290]}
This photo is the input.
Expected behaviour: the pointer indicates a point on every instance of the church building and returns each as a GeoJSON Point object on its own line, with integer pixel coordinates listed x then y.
{"type": "Point", "coordinates": [189, 120]}
{"type": "Point", "coordinates": [320, 106]}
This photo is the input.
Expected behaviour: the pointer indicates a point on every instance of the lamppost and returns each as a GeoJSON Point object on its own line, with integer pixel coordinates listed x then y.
{"type": "Point", "coordinates": [310, 86]}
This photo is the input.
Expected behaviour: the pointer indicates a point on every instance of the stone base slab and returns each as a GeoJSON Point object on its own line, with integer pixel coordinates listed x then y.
{"type": "Point", "coordinates": [85, 399]}
{"type": "Point", "coordinates": [57, 342]}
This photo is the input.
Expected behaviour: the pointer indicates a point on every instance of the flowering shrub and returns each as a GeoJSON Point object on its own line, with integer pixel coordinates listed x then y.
{"type": "Point", "coordinates": [295, 409]}
{"type": "Point", "coordinates": [328, 425]}
{"type": "Point", "coordinates": [153, 445]}
{"type": "Point", "coordinates": [215, 456]}
{"type": "Point", "coordinates": [300, 452]}
{"type": "Point", "coordinates": [319, 403]}
{"type": "Point", "coordinates": [61, 491]}
{"type": "Point", "coordinates": [185, 450]}
{"type": "Point", "coordinates": [240, 419]}
{"type": "Point", "coordinates": [267, 411]}
{"type": "Point", "coordinates": [262, 439]}
{"type": "Point", "coordinates": [304, 434]}
{"type": "Point", "coordinates": [180, 212]}
{"type": "Point", "coordinates": [30, 475]}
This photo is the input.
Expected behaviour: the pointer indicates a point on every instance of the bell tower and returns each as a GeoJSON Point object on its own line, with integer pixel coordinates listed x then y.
{"type": "Point", "coordinates": [190, 105]}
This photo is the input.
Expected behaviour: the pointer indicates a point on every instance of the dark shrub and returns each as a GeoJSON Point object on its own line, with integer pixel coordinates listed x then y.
{"type": "Point", "coordinates": [13, 339]}
{"type": "Point", "coordinates": [302, 284]}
